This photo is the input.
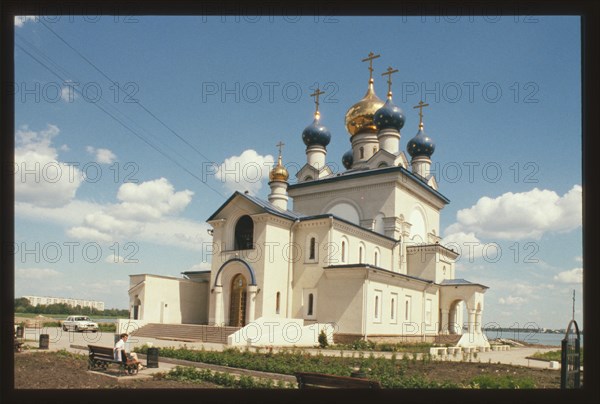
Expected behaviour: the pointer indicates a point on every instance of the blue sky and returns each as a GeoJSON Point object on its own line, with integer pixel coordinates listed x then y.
{"type": "Point", "coordinates": [505, 111]}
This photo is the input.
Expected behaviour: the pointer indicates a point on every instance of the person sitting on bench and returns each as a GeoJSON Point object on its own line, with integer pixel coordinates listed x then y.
{"type": "Point", "coordinates": [122, 355]}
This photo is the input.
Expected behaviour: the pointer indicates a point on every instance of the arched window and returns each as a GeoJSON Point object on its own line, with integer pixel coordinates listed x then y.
{"type": "Point", "coordinates": [244, 233]}
{"type": "Point", "coordinates": [312, 248]}
{"type": "Point", "coordinates": [308, 178]}
{"type": "Point", "coordinates": [360, 255]}
{"type": "Point", "coordinates": [343, 251]}
{"type": "Point", "coordinates": [362, 152]}
{"type": "Point", "coordinates": [277, 300]}
{"type": "Point", "coordinates": [376, 259]}
{"type": "Point", "coordinates": [376, 307]}
{"type": "Point", "coordinates": [392, 313]}
{"type": "Point", "coordinates": [311, 300]}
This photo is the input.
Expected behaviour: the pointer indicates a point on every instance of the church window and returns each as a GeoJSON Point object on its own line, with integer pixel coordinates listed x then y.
{"type": "Point", "coordinates": [374, 149]}
{"type": "Point", "coordinates": [277, 301]}
{"type": "Point", "coordinates": [308, 178]}
{"type": "Point", "coordinates": [394, 308]}
{"type": "Point", "coordinates": [244, 233]}
{"type": "Point", "coordinates": [362, 152]}
{"type": "Point", "coordinates": [407, 308]}
{"type": "Point", "coordinates": [343, 251]}
{"type": "Point", "coordinates": [360, 255]}
{"type": "Point", "coordinates": [382, 164]}
{"type": "Point", "coordinates": [312, 248]}
{"type": "Point", "coordinates": [377, 308]}
{"type": "Point", "coordinates": [376, 259]}
{"type": "Point", "coordinates": [311, 301]}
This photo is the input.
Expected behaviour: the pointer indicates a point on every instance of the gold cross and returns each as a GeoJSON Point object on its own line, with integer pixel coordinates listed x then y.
{"type": "Point", "coordinates": [421, 106]}
{"type": "Point", "coordinates": [316, 95]}
{"type": "Point", "coordinates": [280, 146]}
{"type": "Point", "coordinates": [370, 59]}
{"type": "Point", "coordinates": [389, 73]}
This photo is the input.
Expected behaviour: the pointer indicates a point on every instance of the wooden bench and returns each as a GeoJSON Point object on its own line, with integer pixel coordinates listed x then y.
{"type": "Point", "coordinates": [307, 380]}
{"type": "Point", "coordinates": [101, 357]}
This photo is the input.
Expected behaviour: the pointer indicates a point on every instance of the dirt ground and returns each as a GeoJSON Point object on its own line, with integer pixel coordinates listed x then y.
{"type": "Point", "coordinates": [52, 370]}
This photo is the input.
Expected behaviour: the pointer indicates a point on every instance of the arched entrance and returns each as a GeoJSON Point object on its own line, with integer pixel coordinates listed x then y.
{"type": "Point", "coordinates": [237, 301]}
{"type": "Point", "coordinates": [137, 303]}
{"type": "Point", "coordinates": [455, 317]}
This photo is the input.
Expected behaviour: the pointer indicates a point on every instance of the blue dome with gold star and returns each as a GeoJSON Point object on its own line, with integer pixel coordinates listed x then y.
{"type": "Point", "coordinates": [316, 134]}
{"type": "Point", "coordinates": [389, 116]}
{"type": "Point", "coordinates": [420, 145]}
{"type": "Point", "coordinates": [348, 159]}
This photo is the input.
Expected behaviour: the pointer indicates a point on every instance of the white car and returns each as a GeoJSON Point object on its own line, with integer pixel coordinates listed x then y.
{"type": "Point", "coordinates": [79, 323]}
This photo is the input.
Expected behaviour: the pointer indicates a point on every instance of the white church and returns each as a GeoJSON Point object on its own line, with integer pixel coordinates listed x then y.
{"type": "Point", "coordinates": [357, 253]}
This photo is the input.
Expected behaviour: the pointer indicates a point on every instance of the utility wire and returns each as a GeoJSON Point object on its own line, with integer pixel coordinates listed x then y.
{"type": "Point", "coordinates": [54, 64]}
{"type": "Point", "coordinates": [119, 87]}
{"type": "Point", "coordinates": [120, 121]}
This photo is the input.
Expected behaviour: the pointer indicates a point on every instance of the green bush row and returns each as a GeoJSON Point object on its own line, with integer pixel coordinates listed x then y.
{"type": "Point", "coordinates": [193, 374]}
{"type": "Point", "coordinates": [362, 345]}
{"type": "Point", "coordinates": [390, 373]}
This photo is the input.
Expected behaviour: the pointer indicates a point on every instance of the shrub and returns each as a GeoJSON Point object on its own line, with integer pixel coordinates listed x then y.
{"type": "Point", "coordinates": [323, 339]}
{"type": "Point", "coordinates": [501, 382]}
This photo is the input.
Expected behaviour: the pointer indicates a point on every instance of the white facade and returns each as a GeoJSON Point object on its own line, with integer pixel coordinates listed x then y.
{"type": "Point", "coordinates": [359, 252]}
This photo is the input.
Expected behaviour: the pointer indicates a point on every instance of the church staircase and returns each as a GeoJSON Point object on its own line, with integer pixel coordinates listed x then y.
{"type": "Point", "coordinates": [186, 332]}
{"type": "Point", "coordinates": [447, 339]}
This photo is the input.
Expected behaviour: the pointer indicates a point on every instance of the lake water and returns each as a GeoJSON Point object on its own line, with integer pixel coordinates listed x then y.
{"type": "Point", "coordinates": [530, 337]}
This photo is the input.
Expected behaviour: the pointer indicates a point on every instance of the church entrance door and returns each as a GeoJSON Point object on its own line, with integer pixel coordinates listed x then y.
{"type": "Point", "coordinates": [237, 305]}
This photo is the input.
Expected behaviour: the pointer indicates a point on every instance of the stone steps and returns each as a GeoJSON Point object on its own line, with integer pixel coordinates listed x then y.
{"type": "Point", "coordinates": [186, 332]}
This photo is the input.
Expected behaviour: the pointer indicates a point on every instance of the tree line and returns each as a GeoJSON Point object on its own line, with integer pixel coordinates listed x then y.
{"type": "Point", "coordinates": [22, 305]}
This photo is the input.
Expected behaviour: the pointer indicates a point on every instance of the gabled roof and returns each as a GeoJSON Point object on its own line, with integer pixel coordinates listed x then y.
{"type": "Point", "coordinates": [459, 282]}
{"type": "Point", "coordinates": [368, 266]}
{"type": "Point", "coordinates": [267, 206]}
{"type": "Point", "coordinates": [291, 215]}
{"type": "Point", "coordinates": [350, 174]}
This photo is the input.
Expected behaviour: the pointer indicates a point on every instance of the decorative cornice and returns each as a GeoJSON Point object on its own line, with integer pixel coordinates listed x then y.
{"type": "Point", "coordinates": [363, 234]}
{"type": "Point", "coordinates": [435, 248]}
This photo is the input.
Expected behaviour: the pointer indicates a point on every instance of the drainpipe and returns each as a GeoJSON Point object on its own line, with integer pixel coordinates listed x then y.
{"type": "Point", "coordinates": [290, 279]}
{"type": "Point", "coordinates": [365, 305]}
{"type": "Point", "coordinates": [394, 249]}
{"type": "Point", "coordinates": [330, 240]}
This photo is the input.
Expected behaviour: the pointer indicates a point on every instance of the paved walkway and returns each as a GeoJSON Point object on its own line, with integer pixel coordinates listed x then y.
{"type": "Point", "coordinates": [59, 339]}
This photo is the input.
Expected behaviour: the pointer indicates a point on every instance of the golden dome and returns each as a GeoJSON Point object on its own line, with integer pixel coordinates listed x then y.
{"type": "Point", "coordinates": [279, 172]}
{"type": "Point", "coordinates": [360, 115]}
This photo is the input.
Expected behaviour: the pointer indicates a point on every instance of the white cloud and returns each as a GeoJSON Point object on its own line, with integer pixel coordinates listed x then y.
{"type": "Point", "coordinates": [41, 179]}
{"type": "Point", "coordinates": [70, 214]}
{"type": "Point", "coordinates": [146, 212]}
{"type": "Point", "coordinates": [246, 172]}
{"type": "Point", "coordinates": [574, 275]}
{"type": "Point", "coordinates": [467, 245]}
{"type": "Point", "coordinates": [40, 274]}
{"type": "Point", "coordinates": [512, 300]}
{"type": "Point", "coordinates": [102, 156]}
{"type": "Point", "coordinates": [521, 215]}
{"type": "Point", "coordinates": [20, 20]}
{"type": "Point", "coordinates": [67, 92]}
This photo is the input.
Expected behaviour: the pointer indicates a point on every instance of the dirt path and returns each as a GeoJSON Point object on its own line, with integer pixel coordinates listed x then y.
{"type": "Point", "coordinates": [54, 370]}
